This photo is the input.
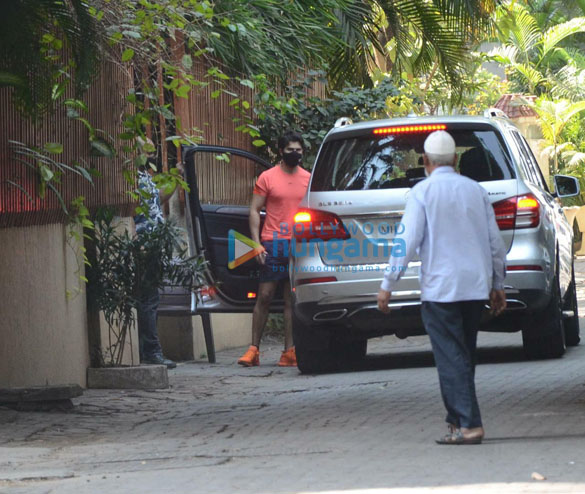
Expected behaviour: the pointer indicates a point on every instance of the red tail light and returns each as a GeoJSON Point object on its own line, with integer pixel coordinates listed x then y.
{"type": "Point", "coordinates": [323, 279]}
{"type": "Point", "coordinates": [524, 267]}
{"type": "Point", "coordinates": [314, 224]}
{"type": "Point", "coordinates": [517, 212]}
{"type": "Point", "coordinates": [505, 213]}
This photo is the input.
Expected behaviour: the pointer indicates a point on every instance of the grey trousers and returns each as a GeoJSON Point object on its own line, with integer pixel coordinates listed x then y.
{"type": "Point", "coordinates": [452, 328]}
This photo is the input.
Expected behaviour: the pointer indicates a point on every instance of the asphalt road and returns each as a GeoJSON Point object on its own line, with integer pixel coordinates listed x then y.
{"type": "Point", "coordinates": [268, 430]}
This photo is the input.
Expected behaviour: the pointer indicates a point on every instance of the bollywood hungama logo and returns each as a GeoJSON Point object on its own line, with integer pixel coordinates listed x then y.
{"type": "Point", "coordinates": [242, 248]}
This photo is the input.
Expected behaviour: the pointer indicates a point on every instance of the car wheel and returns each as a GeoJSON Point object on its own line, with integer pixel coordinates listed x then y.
{"type": "Point", "coordinates": [348, 353]}
{"type": "Point", "coordinates": [546, 336]}
{"type": "Point", "coordinates": [313, 348]}
{"type": "Point", "coordinates": [572, 337]}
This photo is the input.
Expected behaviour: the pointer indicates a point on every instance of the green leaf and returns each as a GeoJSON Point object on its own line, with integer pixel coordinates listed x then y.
{"type": "Point", "coordinates": [127, 55]}
{"type": "Point", "coordinates": [75, 103]}
{"type": "Point", "coordinates": [187, 62]}
{"type": "Point", "coordinates": [247, 83]}
{"type": "Point", "coordinates": [99, 147]}
{"type": "Point", "coordinates": [182, 91]}
{"type": "Point", "coordinates": [85, 173]}
{"type": "Point", "coordinates": [215, 94]}
{"type": "Point", "coordinates": [140, 160]}
{"type": "Point", "coordinates": [258, 143]}
{"type": "Point", "coordinates": [554, 35]}
{"type": "Point", "coordinates": [9, 79]}
{"type": "Point", "coordinates": [46, 173]}
{"type": "Point", "coordinates": [132, 34]}
{"type": "Point", "coordinates": [53, 147]}
{"type": "Point", "coordinates": [58, 90]}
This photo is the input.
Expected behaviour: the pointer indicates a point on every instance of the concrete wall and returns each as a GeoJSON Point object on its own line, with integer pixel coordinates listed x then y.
{"type": "Point", "coordinates": [42, 331]}
{"type": "Point", "coordinates": [182, 337]}
{"type": "Point", "coordinates": [108, 338]}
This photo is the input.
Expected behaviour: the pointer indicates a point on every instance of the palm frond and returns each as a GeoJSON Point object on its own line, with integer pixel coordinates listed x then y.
{"type": "Point", "coordinates": [568, 83]}
{"type": "Point", "coordinates": [555, 34]}
{"type": "Point", "coordinates": [351, 60]}
{"type": "Point", "coordinates": [517, 27]}
{"type": "Point", "coordinates": [504, 54]}
{"type": "Point", "coordinates": [532, 76]}
{"type": "Point", "coordinates": [434, 40]}
{"type": "Point", "coordinates": [468, 15]}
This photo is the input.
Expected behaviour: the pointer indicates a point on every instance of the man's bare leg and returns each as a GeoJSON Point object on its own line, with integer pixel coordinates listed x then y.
{"type": "Point", "coordinates": [260, 316]}
{"type": "Point", "coordinates": [288, 338]}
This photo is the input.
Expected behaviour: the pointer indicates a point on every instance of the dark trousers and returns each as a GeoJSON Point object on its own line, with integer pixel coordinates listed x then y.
{"type": "Point", "coordinates": [146, 315]}
{"type": "Point", "coordinates": [452, 328]}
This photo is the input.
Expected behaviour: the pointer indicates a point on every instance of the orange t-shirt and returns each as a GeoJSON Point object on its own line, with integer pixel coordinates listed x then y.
{"type": "Point", "coordinates": [283, 192]}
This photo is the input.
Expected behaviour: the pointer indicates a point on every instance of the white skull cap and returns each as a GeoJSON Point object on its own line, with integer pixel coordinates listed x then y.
{"type": "Point", "coordinates": [440, 142]}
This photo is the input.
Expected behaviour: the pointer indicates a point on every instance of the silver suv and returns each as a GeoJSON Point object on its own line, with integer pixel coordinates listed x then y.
{"type": "Point", "coordinates": [347, 227]}
{"type": "Point", "coordinates": [349, 223]}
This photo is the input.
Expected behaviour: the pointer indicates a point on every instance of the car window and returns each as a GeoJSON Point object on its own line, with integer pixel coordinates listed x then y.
{"type": "Point", "coordinates": [528, 170]}
{"type": "Point", "coordinates": [536, 176]}
{"type": "Point", "coordinates": [395, 161]}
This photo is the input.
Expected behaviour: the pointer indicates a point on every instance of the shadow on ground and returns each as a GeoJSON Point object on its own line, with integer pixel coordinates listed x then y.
{"type": "Point", "coordinates": [424, 358]}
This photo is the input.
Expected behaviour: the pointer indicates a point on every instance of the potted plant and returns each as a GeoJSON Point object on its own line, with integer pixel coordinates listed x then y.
{"type": "Point", "coordinates": [122, 262]}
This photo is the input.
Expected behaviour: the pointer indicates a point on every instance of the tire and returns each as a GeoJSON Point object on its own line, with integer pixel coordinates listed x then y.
{"type": "Point", "coordinates": [313, 348]}
{"type": "Point", "coordinates": [545, 338]}
{"type": "Point", "coordinates": [572, 337]}
{"type": "Point", "coordinates": [349, 353]}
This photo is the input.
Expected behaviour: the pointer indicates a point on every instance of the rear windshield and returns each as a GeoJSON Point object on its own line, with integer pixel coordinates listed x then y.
{"type": "Point", "coordinates": [394, 161]}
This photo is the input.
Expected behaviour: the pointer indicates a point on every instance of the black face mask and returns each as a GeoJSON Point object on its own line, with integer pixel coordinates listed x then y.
{"type": "Point", "coordinates": [292, 159]}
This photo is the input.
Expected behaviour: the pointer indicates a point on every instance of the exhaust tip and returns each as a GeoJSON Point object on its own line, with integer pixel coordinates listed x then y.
{"type": "Point", "coordinates": [330, 315]}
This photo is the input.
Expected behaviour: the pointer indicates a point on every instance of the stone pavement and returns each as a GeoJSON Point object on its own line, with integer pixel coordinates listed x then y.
{"type": "Point", "coordinates": [269, 430]}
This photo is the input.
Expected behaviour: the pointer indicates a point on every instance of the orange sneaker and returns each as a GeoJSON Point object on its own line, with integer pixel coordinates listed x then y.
{"type": "Point", "coordinates": [251, 358]}
{"type": "Point", "coordinates": [288, 358]}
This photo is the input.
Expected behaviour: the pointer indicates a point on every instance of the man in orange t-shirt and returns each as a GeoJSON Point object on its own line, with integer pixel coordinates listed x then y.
{"type": "Point", "coordinates": [279, 190]}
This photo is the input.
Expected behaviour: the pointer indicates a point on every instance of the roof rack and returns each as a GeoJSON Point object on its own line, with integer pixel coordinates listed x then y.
{"type": "Point", "coordinates": [342, 122]}
{"type": "Point", "coordinates": [494, 112]}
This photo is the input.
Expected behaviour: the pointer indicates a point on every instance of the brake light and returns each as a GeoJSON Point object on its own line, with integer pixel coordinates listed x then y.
{"type": "Point", "coordinates": [315, 224]}
{"type": "Point", "coordinates": [302, 217]}
{"type": "Point", "coordinates": [505, 213]}
{"type": "Point", "coordinates": [524, 267]}
{"type": "Point", "coordinates": [409, 129]}
{"type": "Point", "coordinates": [251, 294]}
{"type": "Point", "coordinates": [322, 279]}
{"type": "Point", "coordinates": [517, 212]}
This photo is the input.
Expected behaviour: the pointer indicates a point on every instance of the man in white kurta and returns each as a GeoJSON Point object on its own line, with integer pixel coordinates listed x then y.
{"type": "Point", "coordinates": [450, 223]}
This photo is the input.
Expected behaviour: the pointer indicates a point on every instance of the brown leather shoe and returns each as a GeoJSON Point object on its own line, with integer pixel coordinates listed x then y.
{"type": "Point", "coordinates": [463, 436]}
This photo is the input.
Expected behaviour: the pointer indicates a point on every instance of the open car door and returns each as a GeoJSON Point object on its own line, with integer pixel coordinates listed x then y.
{"type": "Point", "coordinates": [221, 180]}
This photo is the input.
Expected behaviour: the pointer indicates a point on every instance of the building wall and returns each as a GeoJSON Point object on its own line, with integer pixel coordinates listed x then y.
{"type": "Point", "coordinates": [43, 330]}
{"type": "Point", "coordinates": [229, 331]}
{"type": "Point", "coordinates": [182, 337]}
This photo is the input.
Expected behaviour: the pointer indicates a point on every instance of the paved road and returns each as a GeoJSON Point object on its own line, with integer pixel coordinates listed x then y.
{"type": "Point", "coordinates": [225, 429]}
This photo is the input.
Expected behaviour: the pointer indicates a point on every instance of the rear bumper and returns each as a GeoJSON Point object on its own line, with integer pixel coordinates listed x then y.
{"type": "Point", "coordinates": [363, 318]}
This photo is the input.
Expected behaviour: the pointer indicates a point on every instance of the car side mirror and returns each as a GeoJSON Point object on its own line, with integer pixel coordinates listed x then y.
{"type": "Point", "coordinates": [566, 186]}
